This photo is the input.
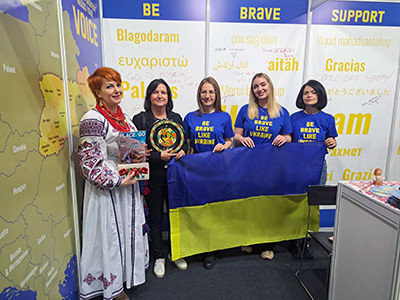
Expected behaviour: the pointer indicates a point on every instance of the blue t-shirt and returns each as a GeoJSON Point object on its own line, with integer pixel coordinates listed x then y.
{"type": "Point", "coordinates": [263, 130]}
{"type": "Point", "coordinates": [311, 128]}
{"type": "Point", "coordinates": [207, 130]}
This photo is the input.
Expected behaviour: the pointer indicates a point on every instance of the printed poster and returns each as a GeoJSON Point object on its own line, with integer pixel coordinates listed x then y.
{"type": "Point", "coordinates": [354, 52]}
{"type": "Point", "coordinates": [257, 37]}
{"type": "Point", "coordinates": [146, 41]}
{"type": "Point", "coordinates": [37, 237]}
{"type": "Point", "coordinates": [82, 37]}
{"type": "Point", "coordinates": [394, 154]}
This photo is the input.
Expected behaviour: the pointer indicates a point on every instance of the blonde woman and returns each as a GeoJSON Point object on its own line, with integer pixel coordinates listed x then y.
{"type": "Point", "coordinates": [262, 121]}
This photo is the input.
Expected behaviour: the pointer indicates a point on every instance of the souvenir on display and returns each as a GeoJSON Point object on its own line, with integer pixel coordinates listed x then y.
{"type": "Point", "coordinates": [141, 170]}
{"type": "Point", "coordinates": [385, 191]}
{"type": "Point", "coordinates": [377, 177]}
{"type": "Point", "coordinates": [167, 134]}
{"type": "Point", "coordinates": [132, 155]}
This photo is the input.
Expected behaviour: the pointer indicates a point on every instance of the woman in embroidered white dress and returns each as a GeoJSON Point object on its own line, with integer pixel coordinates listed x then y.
{"type": "Point", "coordinates": [114, 243]}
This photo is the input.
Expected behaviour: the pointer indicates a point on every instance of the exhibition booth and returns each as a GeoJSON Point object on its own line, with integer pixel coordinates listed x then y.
{"type": "Point", "coordinates": [49, 48]}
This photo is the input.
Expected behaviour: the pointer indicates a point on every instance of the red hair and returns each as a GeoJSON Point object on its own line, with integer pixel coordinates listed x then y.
{"type": "Point", "coordinates": [95, 80]}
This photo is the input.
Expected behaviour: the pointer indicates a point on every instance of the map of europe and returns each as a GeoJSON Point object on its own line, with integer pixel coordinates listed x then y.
{"type": "Point", "coordinates": [37, 239]}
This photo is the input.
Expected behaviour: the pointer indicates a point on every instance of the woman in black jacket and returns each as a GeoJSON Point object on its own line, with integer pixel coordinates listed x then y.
{"type": "Point", "coordinates": [158, 106]}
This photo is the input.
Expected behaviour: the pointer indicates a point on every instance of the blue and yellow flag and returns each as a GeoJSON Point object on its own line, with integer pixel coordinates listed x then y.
{"type": "Point", "coordinates": [242, 196]}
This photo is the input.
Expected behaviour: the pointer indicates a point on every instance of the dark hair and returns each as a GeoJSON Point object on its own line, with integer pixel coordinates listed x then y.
{"type": "Point", "coordinates": [95, 81]}
{"type": "Point", "coordinates": [151, 88]}
{"type": "Point", "coordinates": [319, 90]}
{"type": "Point", "coordinates": [214, 83]}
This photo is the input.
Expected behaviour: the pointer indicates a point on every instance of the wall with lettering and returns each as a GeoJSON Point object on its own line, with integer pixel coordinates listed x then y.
{"type": "Point", "coordinates": [354, 52]}
{"type": "Point", "coordinates": [351, 47]}
{"type": "Point", "coordinates": [145, 40]}
{"type": "Point", "coordinates": [394, 151]}
{"type": "Point", "coordinates": [252, 37]}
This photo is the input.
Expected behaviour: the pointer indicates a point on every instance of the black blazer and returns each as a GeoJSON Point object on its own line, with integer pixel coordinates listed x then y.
{"type": "Point", "coordinates": [144, 121]}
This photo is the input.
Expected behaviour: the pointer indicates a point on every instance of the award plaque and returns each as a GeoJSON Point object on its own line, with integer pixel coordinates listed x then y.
{"type": "Point", "coordinates": [167, 134]}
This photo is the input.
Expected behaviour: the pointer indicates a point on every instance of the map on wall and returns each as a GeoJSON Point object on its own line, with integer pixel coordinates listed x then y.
{"type": "Point", "coordinates": [83, 56]}
{"type": "Point", "coordinates": [37, 240]}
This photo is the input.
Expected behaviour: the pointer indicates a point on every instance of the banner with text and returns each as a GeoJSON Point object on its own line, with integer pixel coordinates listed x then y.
{"type": "Point", "coordinates": [82, 34]}
{"type": "Point", "coordinates": [394, 155]}
{"type": "Point", "coordinates": [261, 36]}
{"type": "Point", "coordinates": [354, 52]}
{"type": "Point", "coordinates": [163, 39]}
{"type": "Point", "coordinates": [83, 55]}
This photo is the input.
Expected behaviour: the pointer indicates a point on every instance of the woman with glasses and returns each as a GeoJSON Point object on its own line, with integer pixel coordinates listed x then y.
{"type": "Point", "coordinates": [208, 129]}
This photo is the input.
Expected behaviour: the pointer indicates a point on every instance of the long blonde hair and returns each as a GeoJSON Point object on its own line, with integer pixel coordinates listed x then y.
{"type": "Point", "coordinates": [273, 107]}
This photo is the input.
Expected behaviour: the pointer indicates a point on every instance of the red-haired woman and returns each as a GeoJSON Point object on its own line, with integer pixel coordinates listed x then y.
{"type": "Point", "coordinates": [114, 245]}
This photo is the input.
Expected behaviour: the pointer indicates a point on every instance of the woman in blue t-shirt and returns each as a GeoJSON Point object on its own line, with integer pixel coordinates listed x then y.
{"type": "Point", "coordinates": [262, 121]}
{"type": "Point", "coordinates": [311, 124]}
{"type": "Point", "coordinates": [208, 129]}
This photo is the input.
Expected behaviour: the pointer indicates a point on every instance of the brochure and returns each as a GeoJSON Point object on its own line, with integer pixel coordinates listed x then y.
{"type": "Point", "coordinates": [132, 155]}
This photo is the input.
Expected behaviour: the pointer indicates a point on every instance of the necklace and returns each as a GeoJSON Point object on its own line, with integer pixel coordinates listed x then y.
{"type": "Point", "coordinates": [117, 120]}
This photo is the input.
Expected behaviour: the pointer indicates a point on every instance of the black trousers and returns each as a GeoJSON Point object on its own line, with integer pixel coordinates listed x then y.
{"type": "Point", "coordinates": [155, 202]}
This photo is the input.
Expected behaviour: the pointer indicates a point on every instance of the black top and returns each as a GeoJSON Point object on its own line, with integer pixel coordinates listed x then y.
{"type": "Point", "coordinates": [145, 121]}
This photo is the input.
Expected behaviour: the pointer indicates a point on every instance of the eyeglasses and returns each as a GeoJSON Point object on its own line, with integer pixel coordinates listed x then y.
{"type": "Point", "coordinates": [209, 92]}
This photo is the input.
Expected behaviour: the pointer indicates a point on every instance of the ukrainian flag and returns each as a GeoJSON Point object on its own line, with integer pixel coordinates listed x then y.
{"type": "Point", "coordinates": [242, 196]}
